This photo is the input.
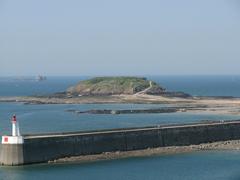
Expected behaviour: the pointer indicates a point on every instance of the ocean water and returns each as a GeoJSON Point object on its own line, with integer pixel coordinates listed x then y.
{"type": "Point", "coordinates": [54, 118]}
{"type": "Point", "coordinates": [202, 85]}
{"type": "Point", "coordinates": [12, 86]}
{"type": "Point", "coordinates": [194, 85]}
{"type": "Point", "coordinates": [214, 165]}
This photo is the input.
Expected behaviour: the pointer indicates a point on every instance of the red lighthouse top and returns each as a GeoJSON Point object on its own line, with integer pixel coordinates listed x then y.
{"type": "Point", "coordinates": [14, 119]}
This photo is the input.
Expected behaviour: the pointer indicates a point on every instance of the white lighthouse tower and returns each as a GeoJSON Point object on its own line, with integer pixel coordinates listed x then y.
{"type": "Point", "coordinates": [16, 138]}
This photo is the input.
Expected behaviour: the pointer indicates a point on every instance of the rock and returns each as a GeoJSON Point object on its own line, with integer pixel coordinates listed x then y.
{"type": "Point", "coordinates": [127, 111]}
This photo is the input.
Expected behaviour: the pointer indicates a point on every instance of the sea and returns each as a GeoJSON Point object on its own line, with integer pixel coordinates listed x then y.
{"type": "Point", "coordinates": [56, 118]}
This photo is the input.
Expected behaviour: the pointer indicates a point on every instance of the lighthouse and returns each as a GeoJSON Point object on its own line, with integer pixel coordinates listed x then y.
{"type": "Point", "coordinates": [16, 137]}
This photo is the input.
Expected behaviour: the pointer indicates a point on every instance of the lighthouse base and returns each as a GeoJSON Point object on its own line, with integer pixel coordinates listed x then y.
{"type": "Point", "coordinates": [12, 140]}
{"type": "Point", "coordinates": [11, 150]}
{"type": "Point", "coordinates": [11, 154]}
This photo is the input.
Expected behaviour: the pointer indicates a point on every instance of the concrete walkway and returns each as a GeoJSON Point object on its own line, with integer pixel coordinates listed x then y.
{"type": "Point", "coordinates": [124, 130]}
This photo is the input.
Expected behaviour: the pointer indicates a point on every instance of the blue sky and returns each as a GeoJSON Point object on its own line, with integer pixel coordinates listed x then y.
{"type": "Point", "coordinates": [127, 37]}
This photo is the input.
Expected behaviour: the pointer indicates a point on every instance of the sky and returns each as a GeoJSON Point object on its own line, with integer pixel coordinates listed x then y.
{"type": "Point", "coordinates": [124, 37]}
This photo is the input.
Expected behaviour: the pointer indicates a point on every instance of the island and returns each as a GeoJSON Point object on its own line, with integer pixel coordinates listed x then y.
{"type": "Point", "coordinates": [123, 85]}
{"type": "Point", "coordinates": [127, 89]}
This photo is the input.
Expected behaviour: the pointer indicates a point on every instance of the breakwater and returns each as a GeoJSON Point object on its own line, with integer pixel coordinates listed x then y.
{"type": "Point", "coordinates": [47, 147]}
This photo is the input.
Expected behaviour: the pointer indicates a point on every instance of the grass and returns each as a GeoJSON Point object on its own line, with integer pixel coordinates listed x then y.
{"type": "Point", "coordinates": [113, 85]}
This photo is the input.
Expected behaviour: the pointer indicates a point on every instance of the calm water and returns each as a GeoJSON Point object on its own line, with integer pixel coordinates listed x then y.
{"type": "Point", "coordinates": [10, 86]}
{"type": "Point", "coordinates": [53, 118]}
{"type": "Point", "coordinates": [195, 85]}
{"type": "Point", "coordinates": [192, 166]}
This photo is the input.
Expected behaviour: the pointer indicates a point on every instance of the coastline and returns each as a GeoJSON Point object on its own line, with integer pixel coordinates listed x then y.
{"type": "Point", "coordinates": [160, 151]}
{"type": "Point", "coordinates": [195, 104]}
{"type": "Point", "coordinates": [141, 98]}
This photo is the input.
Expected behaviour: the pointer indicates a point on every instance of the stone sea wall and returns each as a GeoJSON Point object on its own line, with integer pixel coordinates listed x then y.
{"type": "Point", "coordinates": [48, 147]}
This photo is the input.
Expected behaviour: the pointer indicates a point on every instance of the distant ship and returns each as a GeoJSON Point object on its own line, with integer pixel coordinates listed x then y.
{"type": "Point", "coordinates": [41, 78]}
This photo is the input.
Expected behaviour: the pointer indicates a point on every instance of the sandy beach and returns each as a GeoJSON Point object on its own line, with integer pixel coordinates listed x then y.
{"type": "Point", "coordinates": [216, 105]}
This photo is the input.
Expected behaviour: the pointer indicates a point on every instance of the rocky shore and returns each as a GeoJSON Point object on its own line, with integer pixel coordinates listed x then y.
{"type": "Point", "coordinates": [195, 104]}
{"type": "Point", "coordinates": [222, 145]}
{"type": "Point", "coordinates": [126, 111]}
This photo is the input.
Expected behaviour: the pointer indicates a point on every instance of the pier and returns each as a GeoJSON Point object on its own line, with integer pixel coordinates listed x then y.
{"type": "Point", "coordinates": [42, 148]}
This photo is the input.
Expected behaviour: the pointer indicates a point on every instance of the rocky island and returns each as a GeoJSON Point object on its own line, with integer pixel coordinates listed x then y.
{"type": "Point", "coordinates": [123, 85]}
{"type": "Point", "coordinates": [124, 89]}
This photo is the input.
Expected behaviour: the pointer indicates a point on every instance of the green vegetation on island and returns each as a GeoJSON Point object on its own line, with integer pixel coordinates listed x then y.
{"type": "Point", "coordinates": [115, 86]}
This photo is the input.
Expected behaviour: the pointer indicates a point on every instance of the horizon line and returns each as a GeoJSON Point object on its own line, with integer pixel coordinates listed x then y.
{"type": "Point", "coordinates": [108, 75]}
